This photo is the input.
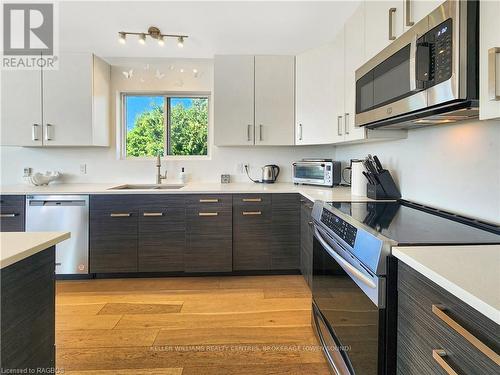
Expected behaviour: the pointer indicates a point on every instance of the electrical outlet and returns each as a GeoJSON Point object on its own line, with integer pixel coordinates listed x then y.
{"type": "Point", "coordinates": [241, 167]}
{"type": "Point", "coordinates": [27, 171]}
{"type": "Point", "coordinates": [83, 168]}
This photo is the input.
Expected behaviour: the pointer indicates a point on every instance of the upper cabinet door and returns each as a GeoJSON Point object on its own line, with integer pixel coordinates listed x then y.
{"type": "Point", "coordinates": [21, 123]}
{"type": "Point", "coordinates": [234, 100]}
{"type": "Point", "coordinates": [274, 100]}
{"type": "Point", "coordinates": [489, 60]}
{"type": "Point", "coordinates": [354, 57]}
{"type": "Point", "coordinates": [315, 97]}
{"type": "Point", "coordinates": [67, 101]}
{"type": "Point", "coordinates": [383, 22]}
{"type": "Point", "coordinates": [416, 10]}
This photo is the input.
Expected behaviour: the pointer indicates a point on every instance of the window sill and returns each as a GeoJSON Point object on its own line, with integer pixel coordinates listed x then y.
{"type": "Point", "coordinates": [169, 158]}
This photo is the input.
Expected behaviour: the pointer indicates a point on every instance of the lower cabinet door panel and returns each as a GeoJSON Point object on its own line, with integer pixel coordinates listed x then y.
{"type": "Point", "coordinates": [209, 239]}
{"type": "Point", "coordinates": [12, 213]}
{"type": "Point", "coordinates": [113, 242]}
{"type": "Point", "coordinates": [162, 240]}
{"type": "Point", "coordinates": [252, 238]}
{"type": "Point", "coordinates": [285, 240]}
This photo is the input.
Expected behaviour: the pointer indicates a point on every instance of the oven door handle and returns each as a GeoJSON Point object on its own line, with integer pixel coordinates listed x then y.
{"type": "Point", "coordinates": [348, 267]}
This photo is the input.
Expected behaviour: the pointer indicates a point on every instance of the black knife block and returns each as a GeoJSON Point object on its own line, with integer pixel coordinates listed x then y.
{"type": "Point", "coordinates": [385, 189]}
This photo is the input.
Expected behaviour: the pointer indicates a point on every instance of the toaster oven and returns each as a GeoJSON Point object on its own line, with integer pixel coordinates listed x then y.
{"type": "Point", "coordinates": [322, 172]}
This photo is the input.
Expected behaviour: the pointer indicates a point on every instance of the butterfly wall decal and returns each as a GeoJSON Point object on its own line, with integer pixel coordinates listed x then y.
{"type": "Point", "coordinates": [128, 74]}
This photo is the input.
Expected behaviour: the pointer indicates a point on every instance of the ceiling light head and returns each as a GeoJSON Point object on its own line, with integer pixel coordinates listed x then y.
{"type": "Point", "coordinates": [142, 38]}
{"type": "Point", "coordinates": [122, 37]}
{"type": "Point", "coordinates": [161, 41]}
{"type": "Point", "coordinates": [180, 42]}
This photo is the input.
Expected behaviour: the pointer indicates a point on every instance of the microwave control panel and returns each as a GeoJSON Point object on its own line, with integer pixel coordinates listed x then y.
{"type": "Point", "coordinates": [340, 227]}
{"type": "Point", "coordinates": [435, 55]}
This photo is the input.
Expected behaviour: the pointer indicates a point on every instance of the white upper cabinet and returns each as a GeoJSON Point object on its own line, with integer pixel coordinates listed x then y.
{"type": "Point", "coordinates": [21, 108]}
{"type": "Point", "coordinates": [489, 60]}
{"type": "Point", "coordinates": [274, 100]}
{"type": "Point", "coordinates": [416, 10]}
{"type": "Point", "coordinates": [383, 22]}
{"type": "Point", "coordinates": [234, 100]}
{"type": "Point", "coordinates": [316, 94]}
{"type": "Point", "coordinates": [354, 57]}
{"type": "Point", "coordinates": [72, 109]}
{"type": "Point", "coordinates": [254, 100]}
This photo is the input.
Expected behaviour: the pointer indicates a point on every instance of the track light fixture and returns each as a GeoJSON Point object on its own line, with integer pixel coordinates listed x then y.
{"type": "Point", "coordinates": [154, 33]}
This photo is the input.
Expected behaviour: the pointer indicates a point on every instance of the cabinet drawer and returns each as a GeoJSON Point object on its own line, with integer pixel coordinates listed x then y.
{"type": "Point", "coordinates": [251, 199]}
{"type": "Point", "coordinates": [202, 200]}
{"type": "Point", "coordinates": [154, 201]}
{"type": "Point", "coordinates": [421, 336]}
{"type": "Point", "coordinates": [428, 293]}
{"type": "Point", "coordinates": [12, 202]}
{"type": "Point", "coordinates": [114, 203]}
{"type": "Point", "coordinates": [12, 209]}
{"type": "Point", "coordinates": [443, 322]}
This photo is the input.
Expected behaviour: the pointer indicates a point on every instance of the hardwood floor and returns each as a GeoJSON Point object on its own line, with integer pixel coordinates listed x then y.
{"type": "Point", "coordinates": [189, 326]}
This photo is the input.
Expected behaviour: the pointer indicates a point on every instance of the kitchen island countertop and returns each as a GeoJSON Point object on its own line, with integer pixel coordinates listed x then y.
{"type": "Point", "coordinates": [470, 273]}
{"type": "Point", "coordinates": [16, 246]}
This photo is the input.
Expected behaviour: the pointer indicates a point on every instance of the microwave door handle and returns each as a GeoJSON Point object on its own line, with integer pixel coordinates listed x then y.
{"type": "Point", "coordinates": [348, 267]}
{"type": "Point", "coordinates": [413, 63]}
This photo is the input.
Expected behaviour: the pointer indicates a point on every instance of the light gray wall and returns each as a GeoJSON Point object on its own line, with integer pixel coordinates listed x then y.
{"type": "Point", "coordinates": [454, 167]}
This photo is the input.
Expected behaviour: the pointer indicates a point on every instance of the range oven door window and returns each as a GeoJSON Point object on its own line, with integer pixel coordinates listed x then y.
{"type": "Point", "coordinates": [354, 322]}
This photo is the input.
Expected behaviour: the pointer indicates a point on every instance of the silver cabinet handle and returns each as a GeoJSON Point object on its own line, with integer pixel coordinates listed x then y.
{"type": "Point", "coordinates": [208, 213]}
{"type": "Point", "coordinates": [8, 215]}
{"type": "Point", "coordinates": [121, 215]}
{"type": "Point", "coordinates": [438, 355]}
{"type": "Point", "coordinates": [152, 214]}
{"type": "Point", "coordinates": [209, 200]}
{"type": "Point", "coordinates": [48, 132]}
{"type": "Point", "coordinates": [260, 132]}
{"type": "Point", "coordinates": [34, 132]}
{"type": "Point", "coordinates": [392, 11]}
{"type": "Point", "coordinates": [409, 22]}
{"type": "Point", "coordinates": [346, 123]}
{"type": "Point", "coordinates": [248, 213]}
{"type": "Point", "coordinates": [492, 73]}
{"type": "Point", "coordinates": [300, 132]}
{"type": "Point", "coordinates": [439, 311]}
{"type": "Point", "coordinates": [249, 131]}
{"type": "Point", "coordinates": [339, 125]}
{"type": "Point", "coordinates": [251, 199]}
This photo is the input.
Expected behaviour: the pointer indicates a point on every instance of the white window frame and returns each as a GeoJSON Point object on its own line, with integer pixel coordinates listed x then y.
{"type": "Point", "coordinates": [122, 139]}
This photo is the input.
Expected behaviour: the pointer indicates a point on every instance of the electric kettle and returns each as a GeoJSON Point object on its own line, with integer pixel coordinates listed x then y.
{"type": "Point", "coordinates": [270, 173]}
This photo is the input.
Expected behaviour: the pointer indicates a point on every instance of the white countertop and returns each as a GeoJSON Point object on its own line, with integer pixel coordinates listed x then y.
{"type": "Point", "coordinates": [470, 273]}
{"type": "Point", "coordinates": [337, 194]}
{"type": "Point", "coordinates": [16, 246]}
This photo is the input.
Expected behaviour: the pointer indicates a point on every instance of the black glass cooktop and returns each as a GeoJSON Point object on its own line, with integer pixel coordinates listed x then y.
{"type": "Point", "coordinates": [412, 224]}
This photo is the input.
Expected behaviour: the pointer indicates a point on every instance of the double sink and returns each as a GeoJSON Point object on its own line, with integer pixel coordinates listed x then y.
{"type": "Point", "coordinates": [147, 187]}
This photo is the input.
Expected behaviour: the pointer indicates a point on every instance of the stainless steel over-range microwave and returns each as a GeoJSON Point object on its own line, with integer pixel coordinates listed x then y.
{"type": "Point", "coordinates": [429, 75]}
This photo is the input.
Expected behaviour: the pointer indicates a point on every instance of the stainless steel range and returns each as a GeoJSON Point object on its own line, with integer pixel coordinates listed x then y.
{"type": "Point", "coordinates": [354, 275]}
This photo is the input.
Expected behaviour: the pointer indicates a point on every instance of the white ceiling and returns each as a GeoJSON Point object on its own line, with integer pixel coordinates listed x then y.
{"type": "Point", "coordinates": [227, 27]}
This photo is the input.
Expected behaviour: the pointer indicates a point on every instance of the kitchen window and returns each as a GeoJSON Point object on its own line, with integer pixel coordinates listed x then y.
{"type": "Point", "coordinates": [172, 125]}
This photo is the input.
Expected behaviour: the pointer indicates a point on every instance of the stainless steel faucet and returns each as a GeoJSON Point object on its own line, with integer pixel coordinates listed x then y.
{"type": "Point", "coordinates": [159, 176]}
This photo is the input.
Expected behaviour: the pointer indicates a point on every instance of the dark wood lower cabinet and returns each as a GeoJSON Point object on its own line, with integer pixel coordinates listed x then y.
{"type": "Point", "coordinates": [252, 237]}
{"type": "Point", "coordinates": [12, 208]}
{"type": "Point", "coordinates": [209, 238]}
{"type": "Point", "coordinates": [426, 343]}
{"type": "Point", "coordinates": [162, 240]}
{"type": "Point", "coordinates": [28, 314]}
{"type": "Point", "coordinates": [285, 241]}
{"type": "Point", "coordinates": [113, 241]}
{"type": "Point", "coordinates": [306, 239]}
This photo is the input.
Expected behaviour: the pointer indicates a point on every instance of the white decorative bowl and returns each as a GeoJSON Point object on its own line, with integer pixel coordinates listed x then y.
{"type": "Point", "coordinates": [38, 179]}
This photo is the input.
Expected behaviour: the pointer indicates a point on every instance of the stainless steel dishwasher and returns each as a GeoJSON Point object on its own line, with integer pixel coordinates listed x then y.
{"type": "Point", "coordinates": [63, 213]}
